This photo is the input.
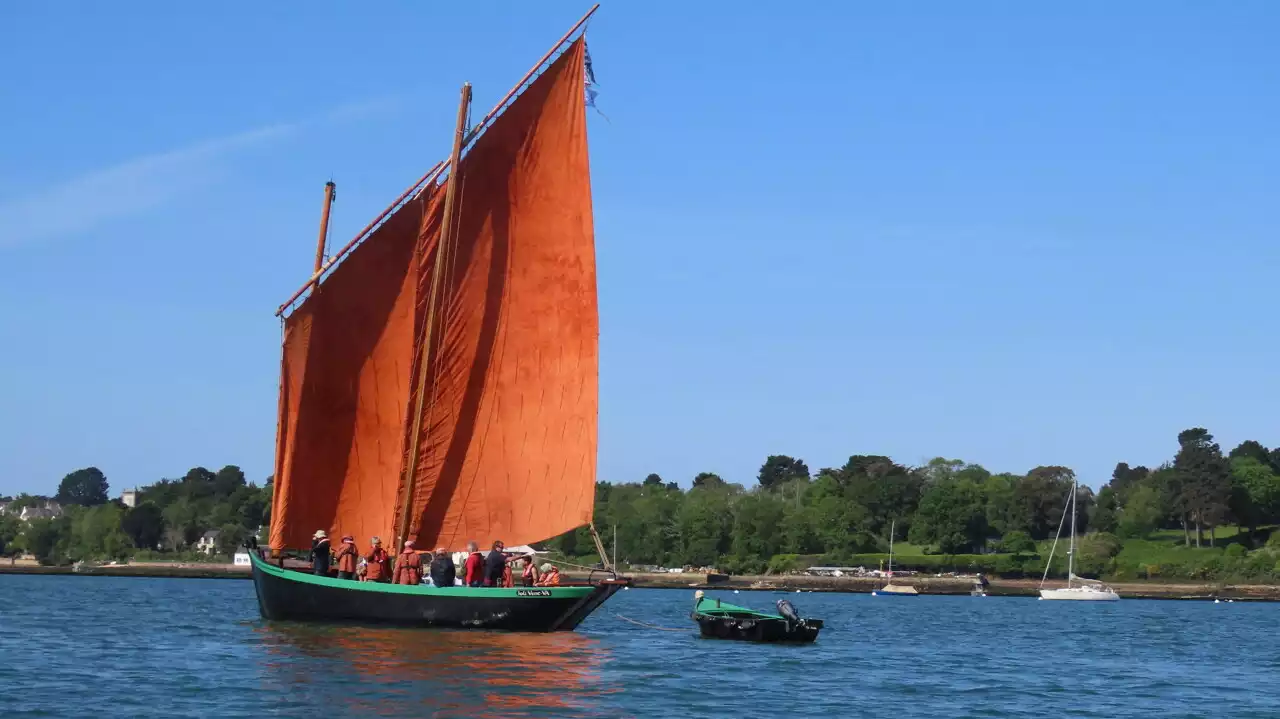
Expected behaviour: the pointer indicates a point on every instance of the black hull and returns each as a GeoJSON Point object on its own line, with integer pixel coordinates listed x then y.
{"type": "Point", "coordinates": [758, 630]}
{"type": "Point", "coordinates": [290, 595]}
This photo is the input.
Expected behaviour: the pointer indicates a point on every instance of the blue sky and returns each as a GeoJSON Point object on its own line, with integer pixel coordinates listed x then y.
{"type": "Point", "coordinates": [1008, 234]}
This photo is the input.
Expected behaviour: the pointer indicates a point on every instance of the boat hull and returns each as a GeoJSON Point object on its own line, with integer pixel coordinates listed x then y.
{"type": "Point", "coordinates": [290, 595]}
{"type": "Point", "coordinates": [1080, 594]}
{"type": "Point", "coordinates": [758, 630]}
{"type": "Point", "coordinates": [891, 590]}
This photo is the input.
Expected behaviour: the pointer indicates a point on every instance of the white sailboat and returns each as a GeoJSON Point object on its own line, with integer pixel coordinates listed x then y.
{"type": "Point", "coordinates": [1077, 589]}
{"type": "Point", "coordinates": [890, 589]}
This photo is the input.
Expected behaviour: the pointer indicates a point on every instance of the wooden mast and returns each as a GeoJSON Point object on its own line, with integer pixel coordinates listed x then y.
{"type": "Point", "coordinates": [437, 273]}
{"type": "Point", "coordinates": [324, 226]}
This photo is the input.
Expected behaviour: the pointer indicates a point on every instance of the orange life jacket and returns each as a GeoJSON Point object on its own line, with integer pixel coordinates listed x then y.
{"type": "Point", "coordinates": [347, 557]}
{"type": "Point", "coordinates": [409, 568]}
{"type": "Point", "coordinates": [376, 569]}
{"type": "Point", "coordinates": [550, 579]}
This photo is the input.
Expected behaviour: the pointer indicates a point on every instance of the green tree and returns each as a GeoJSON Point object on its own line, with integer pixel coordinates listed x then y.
{"type": "Point", "coordinates": [952, 515]}
{"type": "Point", "coordinates": [1255, 495]}
{"type": "Point", "coordinates": [10, 528]}
{"type": "Point", "coordinates": [757, 525]}
{"type": "Point", "coordinates": [1018, 543]}
{"type": "Point", "coordinates": [86, 487]}
{"type": "Point", "coordinates": [652, 480]}
{"type": "Point", "coordinates": [1142, 513]}
{"type": "Point", "coordinates": [1106, 511]}
{"type": "Point", "coordinates": [230, 538]}
{"type": "Point", "coordinates": [228, 479]}
{"type": "Point", "coordinates": [96, 534]}
{"type": "Point", "coordinates": [1206, 480]}
{"type": "Point", "coordinates": [779, 469]}
{"type": "Point", "coordinates": [708, 479]}
{"type": "Point", "coordinates": [42, 537]}
{"type": "Point", "coordinates": [144, 525]}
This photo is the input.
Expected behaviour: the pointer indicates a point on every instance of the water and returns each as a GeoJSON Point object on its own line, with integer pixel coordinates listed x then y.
{"type": "Point", "coordinates": [126, 647]}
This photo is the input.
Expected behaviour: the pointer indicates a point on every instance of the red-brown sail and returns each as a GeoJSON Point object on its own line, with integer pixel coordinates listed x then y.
{"type": "Point", "coordinates": [507, 446]}
{"type": "Point", "coordinates": [344, 390]}
{"type": "Point", "coordinates": [507, 440]}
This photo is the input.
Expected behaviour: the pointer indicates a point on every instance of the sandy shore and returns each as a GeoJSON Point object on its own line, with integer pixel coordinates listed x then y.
{"type": "Point", "coordinates": [926, 585]}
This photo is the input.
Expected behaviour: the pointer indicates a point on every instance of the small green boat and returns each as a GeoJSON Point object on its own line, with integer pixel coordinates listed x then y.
{"type": "Point", "coordinates": [721, 620]}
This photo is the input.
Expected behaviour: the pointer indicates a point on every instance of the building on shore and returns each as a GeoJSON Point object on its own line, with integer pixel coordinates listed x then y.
{"type": "Point", "coordinates": [129, 497]}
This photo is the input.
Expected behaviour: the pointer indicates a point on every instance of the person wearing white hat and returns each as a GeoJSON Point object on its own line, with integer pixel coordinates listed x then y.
{"type": "Point", "coordinates": [320, 554]}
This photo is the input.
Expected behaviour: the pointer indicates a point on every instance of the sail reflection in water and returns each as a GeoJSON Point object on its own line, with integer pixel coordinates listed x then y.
{"type": "Point", "coordinates": [354, 671]}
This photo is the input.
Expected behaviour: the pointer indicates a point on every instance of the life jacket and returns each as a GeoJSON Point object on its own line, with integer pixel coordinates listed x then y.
{"type": "Point", "coordinates": [474, 573]}
{"type": "Point", "coordinates": [528, 575]}
{"type": "Point", "coordinates": [409, 568]}
{"type": "Point", "coordinates": [506, 577]}
{"type": "Point", "coordinates": [377, 570]}
{"type": "Point", "coordinates": [550, 579]}
{"type": "Point", "coordinates": [347, 557]}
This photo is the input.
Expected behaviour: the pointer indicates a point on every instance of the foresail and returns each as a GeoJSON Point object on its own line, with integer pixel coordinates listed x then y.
{"type": "Point", "coordinates": [344, 389]}
{"type": "Point", "coordinates": [507, 445]}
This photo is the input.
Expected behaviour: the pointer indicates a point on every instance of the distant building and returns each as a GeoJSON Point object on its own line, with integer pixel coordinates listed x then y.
{"type": "Point", "coordinates": [45, 509]}
{"type": "Point", "coordinates": [208, 541]}
{"type": "Point", "coordinates": [129, 497]}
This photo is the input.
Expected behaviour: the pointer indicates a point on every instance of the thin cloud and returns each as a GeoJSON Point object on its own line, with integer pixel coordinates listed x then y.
{"type": "Point", "coordinates": [145, 183]}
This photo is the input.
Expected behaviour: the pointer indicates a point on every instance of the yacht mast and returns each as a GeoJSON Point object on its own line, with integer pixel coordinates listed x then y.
{"type": "Point", "coordinates": [1071, 550]}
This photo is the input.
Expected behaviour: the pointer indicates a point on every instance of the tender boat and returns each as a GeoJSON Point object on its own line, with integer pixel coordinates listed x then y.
{"type": "Point", "coordinates": [721, 620]}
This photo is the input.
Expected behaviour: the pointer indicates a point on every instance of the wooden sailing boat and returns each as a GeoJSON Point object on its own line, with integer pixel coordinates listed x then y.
{"type": "Point", "coordinates": [1078, 588]}
{"type": "Point", "coordinates": [890, 589]}
{"type": "Point", "coordinates": [439, 374]}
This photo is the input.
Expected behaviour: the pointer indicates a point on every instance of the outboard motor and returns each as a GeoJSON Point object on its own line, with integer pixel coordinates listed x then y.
{"type": "Point", "coordinates": [788, 611]}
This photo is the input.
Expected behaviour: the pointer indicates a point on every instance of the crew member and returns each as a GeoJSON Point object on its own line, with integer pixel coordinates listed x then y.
{"type": "Point", "coordinates": [495, 566]}
{"type": "Point", "coordinates": [550, 576]}
{"type": "Point", "coordinates": [320, 553]}
{"type": "Point", "coordinates": [408, 566]}
{"type": "Point", "coordinates": [443, 573]}
{"type": "Point", "coordinates": [346, 555]}
{"type": "Point", "coordinates": [529, 577]}
{"type": "Point", "coordinates": [473, 571]}
{"type": "Point", "coordinates": [377, 563]}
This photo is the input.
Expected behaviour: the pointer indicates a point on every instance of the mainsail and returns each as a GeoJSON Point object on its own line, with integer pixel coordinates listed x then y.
{"type": "Point", "coordinates": [506, 439]}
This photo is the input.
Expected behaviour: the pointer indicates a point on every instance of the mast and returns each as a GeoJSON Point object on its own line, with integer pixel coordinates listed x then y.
{"type": "Point", "coordinates": [892, 525]}
{"type": "Point", "coordinates": [324, 226]}
{"type": "Point", "coordinates": [437, 272]}
{"type": "Point", "coordinates": [1071, 549]}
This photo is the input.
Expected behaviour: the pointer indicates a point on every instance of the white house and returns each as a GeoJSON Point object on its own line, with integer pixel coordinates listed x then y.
{"type": "Point", "coordinates": [208, 541]}
{"type": "Point", "coordinates": [129, 497]}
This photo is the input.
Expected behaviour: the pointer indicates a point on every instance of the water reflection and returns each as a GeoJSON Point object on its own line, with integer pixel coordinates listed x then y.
{"type": "Point", "coordinates": [362, 671]}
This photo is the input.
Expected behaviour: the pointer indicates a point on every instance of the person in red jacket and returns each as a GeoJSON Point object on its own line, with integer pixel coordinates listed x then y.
{"type": "Point", "coordinates": [346, 555]}
{"type": "Point", "coordinates": [408, 566]}
{"type": "Point", "coordinates": [377, 563]}
{"type": "Point", "coordinates": [473, 571]}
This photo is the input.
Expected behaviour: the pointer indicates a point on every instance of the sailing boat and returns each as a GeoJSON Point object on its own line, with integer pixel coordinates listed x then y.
{"type": "Point", "coordinates": [439, 379]}
{"type": "Point", "coordinates": [1078, 588]}
{"type": "Point", "coordinates": [890, 589]}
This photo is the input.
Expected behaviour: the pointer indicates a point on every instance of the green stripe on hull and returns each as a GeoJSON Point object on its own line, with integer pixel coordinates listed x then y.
{"type": "Point", "coordinates": [422, 589]}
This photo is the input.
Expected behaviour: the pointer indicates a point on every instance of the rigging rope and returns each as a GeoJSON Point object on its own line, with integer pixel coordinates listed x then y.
{"type": "Point", "coordinates": [646, 625]}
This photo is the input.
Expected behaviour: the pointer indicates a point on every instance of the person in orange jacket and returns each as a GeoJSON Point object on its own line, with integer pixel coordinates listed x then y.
{"type": "Point", "coordinates": [377, 563]}
{"type": "Point", "coordinates": [346, 555]}
{"type": "Point", "coordinates": [550, 576]}
{"type": "Point", "coordinates": [408, 566]}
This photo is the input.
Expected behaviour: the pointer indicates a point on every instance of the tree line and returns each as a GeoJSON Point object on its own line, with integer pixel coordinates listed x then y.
{"type": "Point", "coordinates": [168, 520]}
{"type": "Point", "coordinates": [949, 507]}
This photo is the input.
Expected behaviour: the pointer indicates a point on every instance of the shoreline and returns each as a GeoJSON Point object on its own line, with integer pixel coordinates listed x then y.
{"type": "Point", "coordinates": [953, 586]}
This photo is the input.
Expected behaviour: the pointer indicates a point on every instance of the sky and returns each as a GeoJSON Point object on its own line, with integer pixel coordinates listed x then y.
{"type": "Point", "coordinates": [1009, 234]}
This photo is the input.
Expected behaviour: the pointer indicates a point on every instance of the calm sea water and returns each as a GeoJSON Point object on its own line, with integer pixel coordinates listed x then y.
{"type": "Point", "coordinates": [125, 647]}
